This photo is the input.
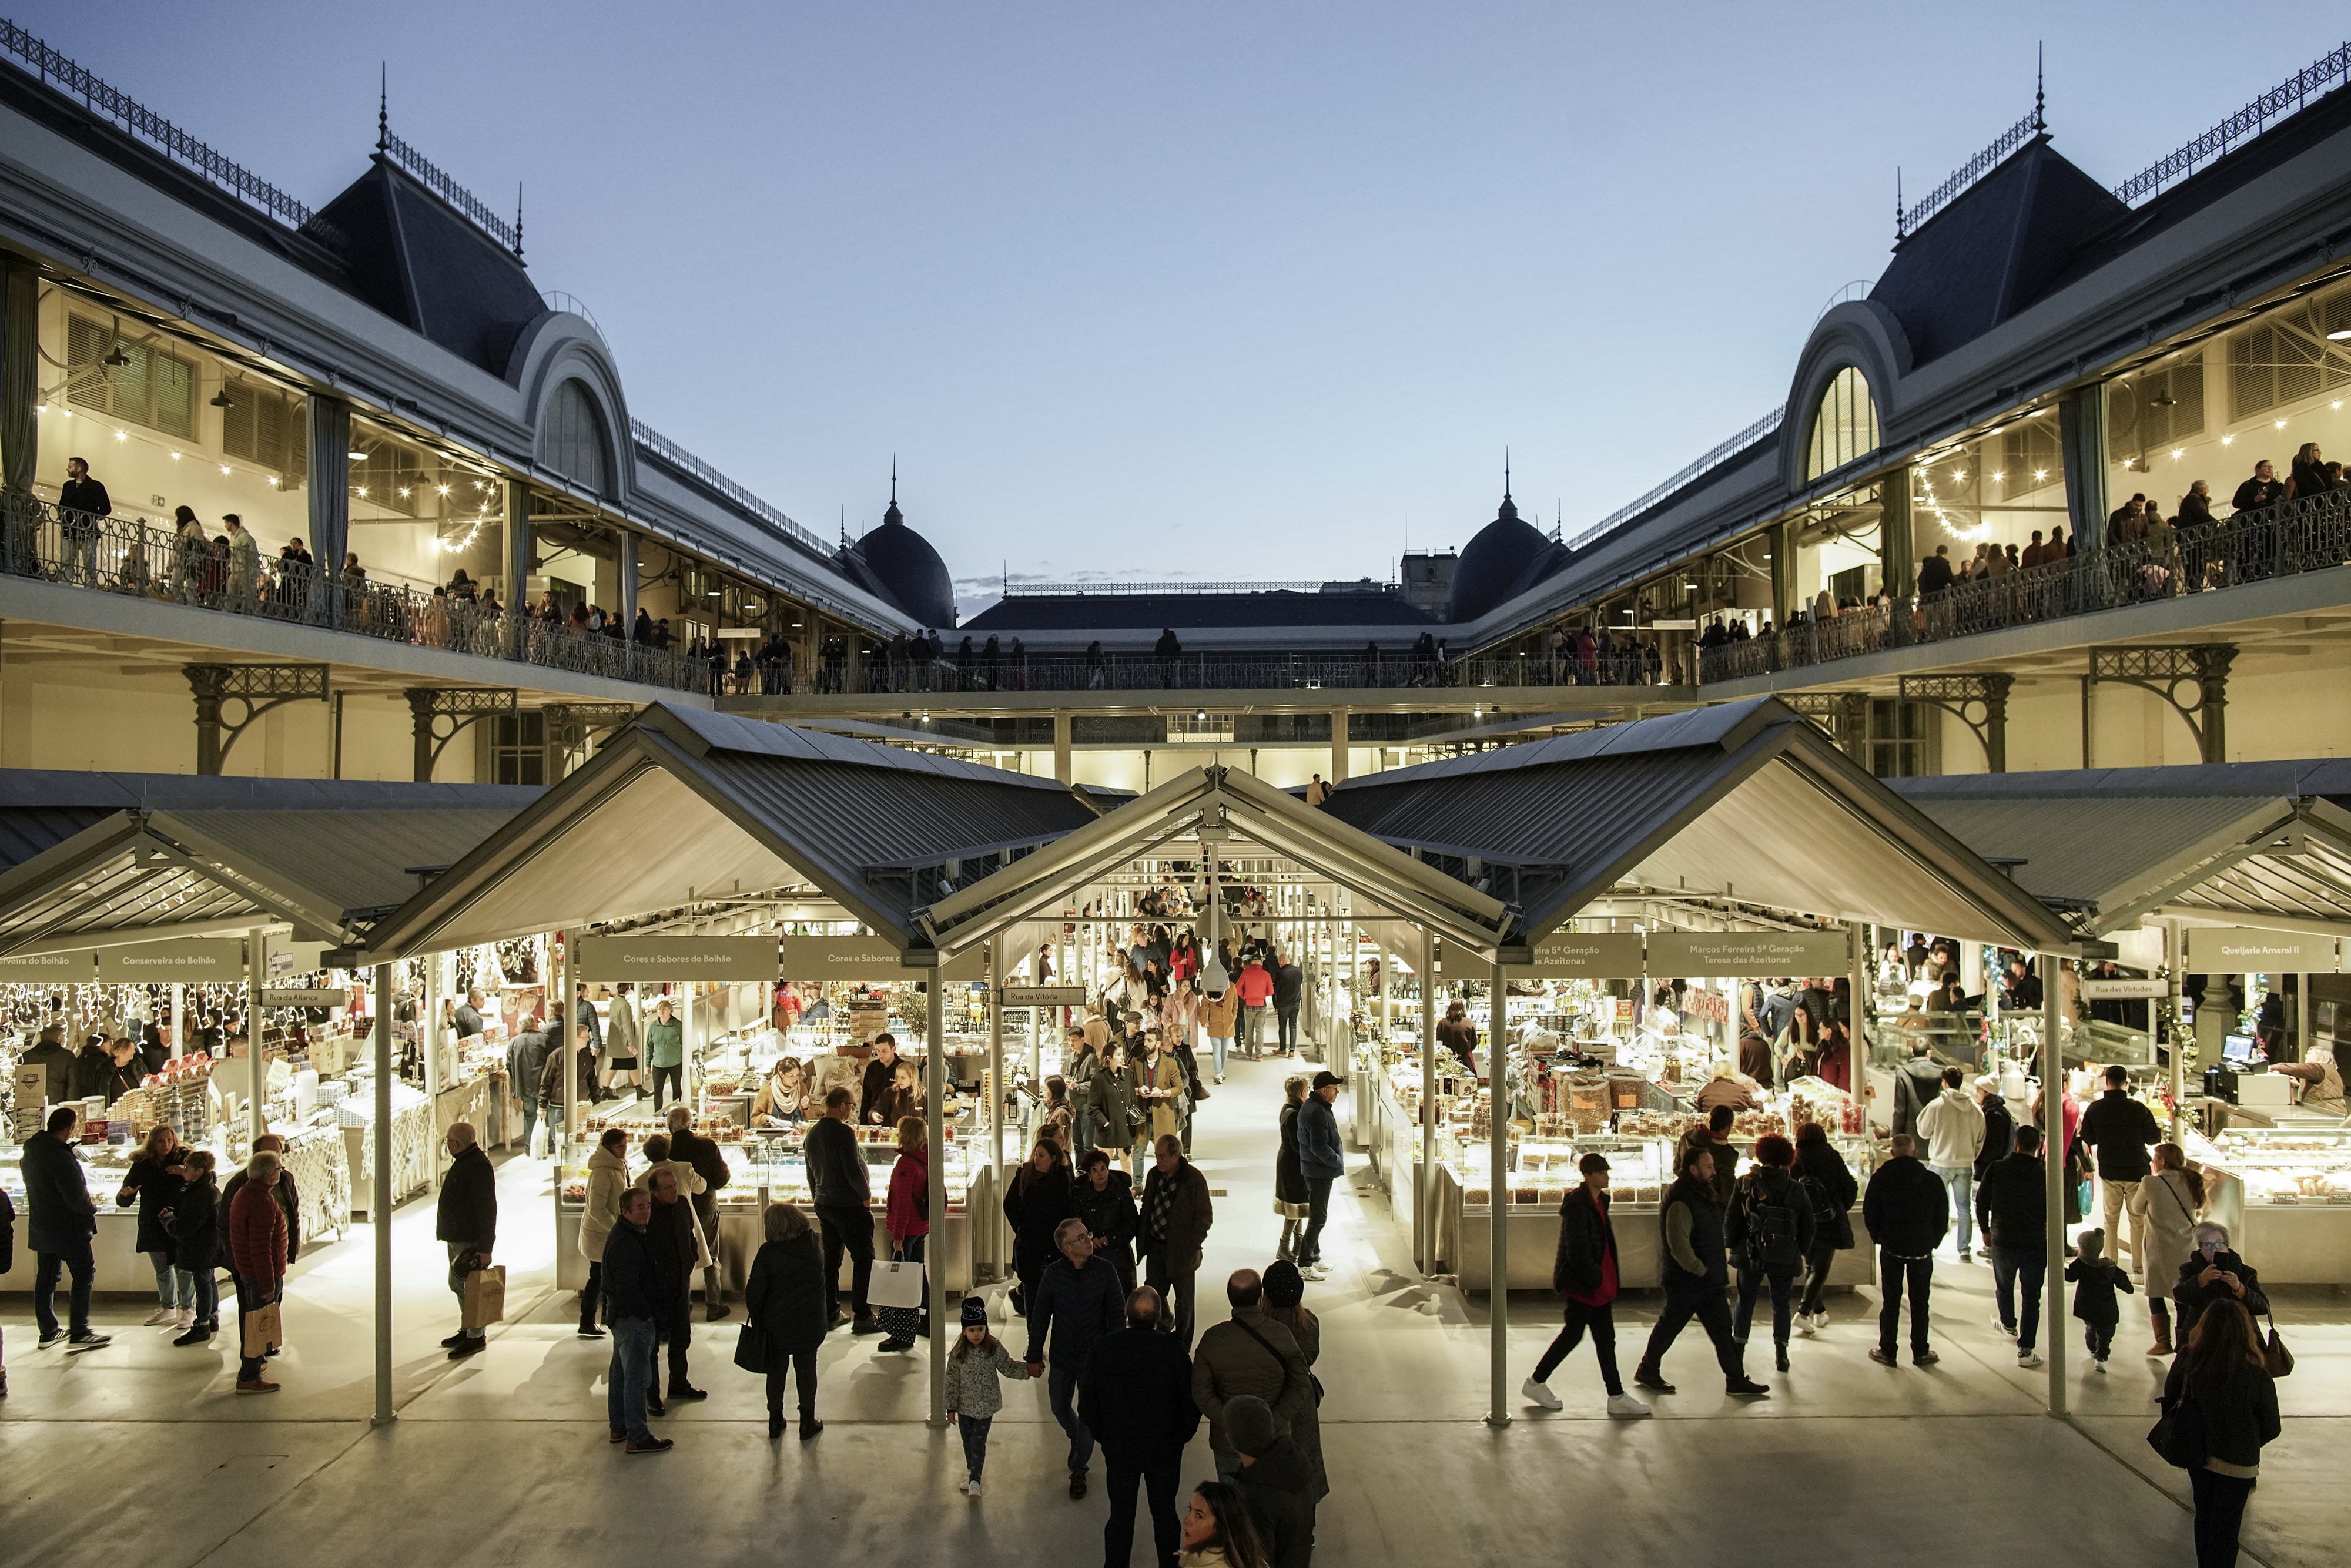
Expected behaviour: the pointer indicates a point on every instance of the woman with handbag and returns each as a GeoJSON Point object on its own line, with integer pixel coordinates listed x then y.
{"type": "Point", "coordinates": [907, 1218]}
{"type": "Point", "coordinates": [1103, 1196]}
{"type": "Point", "coordinates": [1833, 1191]}
{"type": "Point", "coordinates": [785, 1315]}
{"type": "Point", "coordinates": [2163, 1213]}
{"type": "Point", "coordinates": [1036, 1201]}
{"type": "Point", "coordinates": [1120, 1122]}
{"type": "Point", "coordinates": [2214, 1274]}
{"type": "Point", "coordinates": [2220, 1408]}
{"type": "Point", "coordinates": [1290, 1193]}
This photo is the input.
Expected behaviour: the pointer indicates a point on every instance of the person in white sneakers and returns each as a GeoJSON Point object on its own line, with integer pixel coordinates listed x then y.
{"type": "Point", "coordinates": [1584, 1272]}
{"type": "Point", "coordinates": [1952, 1128]}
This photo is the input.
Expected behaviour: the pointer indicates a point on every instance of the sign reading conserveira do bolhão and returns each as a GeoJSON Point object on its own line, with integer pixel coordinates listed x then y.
{"type": "Point", "coordinates": [659, 958]}
{"type": "Point", "coordinates": [168, 961]}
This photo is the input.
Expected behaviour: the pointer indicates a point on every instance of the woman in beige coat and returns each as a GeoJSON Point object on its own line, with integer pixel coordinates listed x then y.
{"type": "Point", "coordinates": [607, 1180]}
{"type": "Point", "coordinates": [2163, 1214]}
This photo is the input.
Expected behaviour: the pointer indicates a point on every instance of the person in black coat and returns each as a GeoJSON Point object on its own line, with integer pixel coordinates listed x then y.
{"type": "Point", "coordinates": [60, 1220]}
{"type": "Point", "coordinates": [709, 1162]}
{"type": "Point", "coordinates": [1036, 1201]}
{"type": "Point", "coordinates": [1906, 1210]}
{"type": "Point", "coordinates": [2000, 1127]}
{"type": "Point", "coordinates": [1289, 992]}
{"type": "Point", "coordinates": [1136, 1397]}
{"type": "Point", "coordinates": [152, 1182]}
{"type": "Point", "coordinates": [2011, 1207]}
{"type": "Point", "coordinates": [636, 1308]}
{"type": "Point", "coordinates": [54, 1057]}
{"type": "Point", "coordinates": [467, 1221]}
{"type": "Point", "coordinates": [289, 1198]}
{"type": "Point", "coordinates": [1770, 1228]}
{"type": "Point", "coordinates": [2214, 1274]}
{"type": "Point", "coordinates": [193, 1222]}
{"type": "Point", "coordinates": [673, 1233]}
{"type": "Point", "coordinates": [784, 1300]}
{"type": "Point", "coordinates": [1829, 1182]}
{"type": "Point", "coordinates": [1584, 1272]}
{"type": "Point", "coordinates": [2224, 1379]}
{"type": "Point", "coordinates": [1276, 1481]}
{"type": "Point", "coordinates": [1289, 1177]}
{"type": "Point", "coordinates": [1696, 1269]}
{"type": "Point", "coordinates": [1103, 1196]}
{"type": "Point", "coordinates": [93, 1071]}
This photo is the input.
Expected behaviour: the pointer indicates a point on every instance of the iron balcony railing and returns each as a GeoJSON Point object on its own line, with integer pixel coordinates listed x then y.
{"type": "Point", "coordinates": [2287, 98]}
{"type": "Point", "coordinates": [957, 674]}
{"type": "Point", "coordinates": [106, 555]}
{"type": "Point", "coordinates": [2311, 534]}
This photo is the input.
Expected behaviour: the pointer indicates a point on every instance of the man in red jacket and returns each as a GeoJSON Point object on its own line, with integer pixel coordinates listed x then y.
{"type": "Point", "coordinates": [1256, 989]}
{"type": "Point", "coordinates": [257, 1250]}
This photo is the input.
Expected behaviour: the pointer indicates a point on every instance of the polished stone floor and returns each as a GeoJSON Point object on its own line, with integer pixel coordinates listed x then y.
{"type": "Point", "coordinates": [143, 1452]}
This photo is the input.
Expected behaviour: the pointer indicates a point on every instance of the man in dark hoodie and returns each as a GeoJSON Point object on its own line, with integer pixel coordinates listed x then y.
{"type": "Point", "coordinates": [1275, 1480]}
{"type": "Point", "coordinates": [1696, 1272]}
{"type": "Point", "coordinates": [1908, 1210]}
{"type": "Point", "coordinates": [2010, 1206]}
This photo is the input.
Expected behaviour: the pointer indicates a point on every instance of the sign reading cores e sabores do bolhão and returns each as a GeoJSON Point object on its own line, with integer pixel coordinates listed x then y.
{"type": "Point", "coordinates": [868, 958]}
{"type": "Point", "coordinates": [662, 958]}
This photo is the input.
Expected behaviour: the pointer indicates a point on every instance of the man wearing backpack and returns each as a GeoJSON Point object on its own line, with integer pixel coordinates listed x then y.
{"type": "Point", "coordinates": [1770, 1228]}
{"type": "Point", "coordinates": [1695, 1273]}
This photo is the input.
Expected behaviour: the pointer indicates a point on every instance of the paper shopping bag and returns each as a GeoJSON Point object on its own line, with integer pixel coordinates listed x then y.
{"type": "Point", "coordinates": [897, 1284]}
{"type": "Point", "coordinates": [486, 1297]}
{"type": "Point", "coordinates": [261, 1330]}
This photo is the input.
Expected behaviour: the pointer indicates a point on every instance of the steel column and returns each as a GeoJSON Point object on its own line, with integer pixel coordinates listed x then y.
{"type": "Point", "coordinates": [256, 1077]}
{"type": "Point", "coordinates": [380, 1201]}
{"type": "Point", "coordinates": [1498, 1207]}
{"type": "Point", "coordinates": [1424, 1170]}
{"type": "Point", "coordinates": [2179, 1037]}
{"type": "Point", "coordinates": [995, 1105]}
{"type": "Point", "coordinates": [933, 1272]}
{"type": "Point", "coordinates": [2052, 1165]}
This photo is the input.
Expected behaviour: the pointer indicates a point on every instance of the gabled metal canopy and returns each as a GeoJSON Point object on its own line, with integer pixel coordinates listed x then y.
{"type": "Point", "coordinates": [206, 857]}
{"type": "Point", "coordinates": [1217, 797]}
{"type": "Point", "coordinates": [684, 806]}
{"type": "Point", "coordinates": [2236, 843]}
{"type": "Point", "coordinates": [1748, 802]}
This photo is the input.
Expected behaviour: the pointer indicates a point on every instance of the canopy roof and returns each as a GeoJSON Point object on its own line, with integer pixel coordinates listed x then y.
{"type": "Point", "coordinates": [2260, 843]}
{"type": "Point", "coordinates": [1220, 800]}
{"type": "Point", "coordinates": [1747, 802]}
{"type": "Point", "coordinates": [99, 859]}
{"type": "Point", "coordinates": [681, 807]}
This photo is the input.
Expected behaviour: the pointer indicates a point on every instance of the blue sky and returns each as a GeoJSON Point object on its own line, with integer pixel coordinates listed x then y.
{"type": "Point", "coordinates": [1204, 291]}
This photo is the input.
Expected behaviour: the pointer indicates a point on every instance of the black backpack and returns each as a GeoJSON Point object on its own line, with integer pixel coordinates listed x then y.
{"type": "Point", "coordinates": [1772, 1235]}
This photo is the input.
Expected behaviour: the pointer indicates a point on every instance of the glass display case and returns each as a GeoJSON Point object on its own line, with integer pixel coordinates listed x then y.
{"type": "Point", "coordinates": [2284, 1193]}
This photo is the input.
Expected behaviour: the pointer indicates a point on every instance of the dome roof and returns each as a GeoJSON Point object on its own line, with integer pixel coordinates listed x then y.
{"type": "Point", "coordinates": [899, 563]}
{"type": "Point", "coordinates": [1509, 556]}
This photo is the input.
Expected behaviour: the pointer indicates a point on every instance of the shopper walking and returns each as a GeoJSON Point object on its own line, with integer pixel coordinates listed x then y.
{"type": "Point", "coordinates": [1323, 1160]}
{"type": "Point", "coordinates": [840, 1194]}
{"type": "Point", "coordinates": [1695, 1273]}
{"type": "Point", "coordinates": [194, 1223]}
{"type": "Point", "coordinates": [1288, 993]}
{"type": "Point", "coordinates": [1953, 1130]}
{"type": "Point", "coordinates": [1219, 1016]}
{"type": "Point", "coordinates": [1248, 1354]}
{"type": "Point", "coordinates": [2097, 1281]}
{"type": "Point", "coordinates": [665, 1052]}
{"type": "Point", "coordinates": [1036, 1201]}
{"type": "Point", "coordinates": [1456, 1034]}
{"type": "Point", "coordinates": [1907, 1212]}
{"type": "Point", "coordinates": [60, 1221]}
{"type": "Point", "coordinates": [1289, 1191]}
{"type": "Point", "coordinates": [2121, 1130]}
{"type": "Point", "coordinates": [1136, 1397]}
{"type": "Point", "coordinates": [2000, 1127]}
{"type": "Point", "coordinates": [2221, 1389]}
{"type": "Point", "coordinates": [1829, 1182]}
{"type": "Point", "coordinates": [1256, 989]}
{"type": "Point", "coordinates": [466, 1222]}
{"type": "Point", "coordinates": [1103, 1196]}
{"type": "Point", "coordinates": [1916, 1082]}
{"type": "Point", "coordinates": [2214, 1274]}
{"type": "Point", "coordinates": [906, 1219]}
{"type": "Point", "coordinates": [1114, 1104]}
{"type": "Point", "coordinates": [256, 1243]}
{"type": "Point", "coordinates": [1077, 1301]}
{"type": "Point", "coordinates": [783, 1301]}
{"type": "Point", "coordinates": [2163, 1214]}
{"type": "Point", "coordinates": [1770, 1228]}
{"type": "Point", "coordinates": [607, 1182]}
{"type": "Point", "coordinates": [152, 1183]}
{"type": "Point", "coordinates": [636, 1305]}
{"type": "Point", "coordinates": [1585, 1272]}
{"type": "Point", "coordinates": [1176, 1216]}
{"type": "Point", "coordinates": [2011, 1208]}
{"type": "Point", "coordinates": [972, 1392]}
{"type": "Point", "coordinates": [1275, 1480]}
{"type": "Point", "coordinates": [1285, 1303]}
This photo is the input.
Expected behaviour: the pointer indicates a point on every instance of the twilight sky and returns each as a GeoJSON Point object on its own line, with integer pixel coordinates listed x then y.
{"type": "Point", "coordinates": [1213, 291]}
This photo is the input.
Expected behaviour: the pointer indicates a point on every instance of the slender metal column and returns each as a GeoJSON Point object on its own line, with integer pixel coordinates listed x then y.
{"type": "Point", "coordinates": [934, 1091]}
{"type": "Point", "coordinates": [995, 1107]}
{"type": "Point", "coordinates": [1425, 1179]}
{"type": "Point", "coordinates": [2052, 1162]}
{"type": "Point", "coordinates": [256, 1067]}
{"type": "Point", "coordinates": [1498, 1206]}
{"type": "Point", "coordinates": [380, 1201]}
{"type": "Point", "coordinates": [2179, 1037]}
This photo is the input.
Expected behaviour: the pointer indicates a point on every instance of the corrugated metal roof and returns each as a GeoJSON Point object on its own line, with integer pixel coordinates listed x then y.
{"type": "Point", "coordinates": [1704, 727]}
{"type": "Point", "coordinates": [757, 738]}
{"type": "Point", "coordinates": [2325, 776]}
{"type": "Point", "coordinates": [2098, 849]}
{"type": "Point", "coordinates": [34, 787]}
{"type": "Point", "coordinates": [345, 861]}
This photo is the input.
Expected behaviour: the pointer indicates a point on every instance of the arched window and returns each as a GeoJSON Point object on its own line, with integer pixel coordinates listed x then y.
{"type": "Point", "coordinates": [1846, 428]}
{"type": "Point", "coordinates": [571, 438]}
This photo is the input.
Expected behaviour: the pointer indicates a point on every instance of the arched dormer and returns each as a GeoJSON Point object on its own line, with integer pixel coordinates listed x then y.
{"type": "Point", "coordinates": [1845, 394]}
{"type": "Point", "coordinates": [572, 439]}
{"type": "Point", "coordinates": [1844, 424]}
{"type": "Point", "coordinates": [571, 388]}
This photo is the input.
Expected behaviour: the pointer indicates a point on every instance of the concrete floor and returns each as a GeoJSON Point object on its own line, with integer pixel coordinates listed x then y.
{"type": "Point", "coordinates": [144, 1451]}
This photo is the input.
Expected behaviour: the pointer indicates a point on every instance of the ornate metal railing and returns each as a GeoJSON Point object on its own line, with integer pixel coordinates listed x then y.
{"type": "Point", "coordinates": [2254, 546]}
{"type": "Point", "coordinates": [1907, 220]}
{"type": "Point", "coordinates": [106, 555]}
{"type": "Point", "coordinates": [958, 673]}
{"type": "Point", "coordinates": [430, 176]}
{"type": "Point", "coordinates": [147, 126]}
{"type": "Point", "coordinates": [1720, 454]}
{"type": "Point", "coordinates": [1121, 586]}
{"type": "Point", "coordinates": [2249, 121]}
{"type": "Point", "coordinates": [694, 467]}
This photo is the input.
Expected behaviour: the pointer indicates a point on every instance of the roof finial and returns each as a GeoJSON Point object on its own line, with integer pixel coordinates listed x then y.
{"type": "Point", "coordinates": [844, 527]}
{"type": "Point", "coordinates": [383, 107]}
{"type": "Point", "coordinates": [1898, 204]}
{"type": "Point", "coordinates": [517, 220]}
{"type": "Point", "coordinates": [2040, 86]}
{"type": "Point", "coordinates": [894, 478]}
{"type": "Point", "coordinates": [1506, 473]}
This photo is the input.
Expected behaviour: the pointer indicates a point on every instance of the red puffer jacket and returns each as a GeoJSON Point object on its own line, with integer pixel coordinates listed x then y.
{"type": "Point", "coordinates": [910, 1196]}
{"type": "Point", "coordinates": [257, 1233]}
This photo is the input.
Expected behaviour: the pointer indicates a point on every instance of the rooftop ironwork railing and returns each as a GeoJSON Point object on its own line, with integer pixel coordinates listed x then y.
{"type": "Point", "coordinates": [1121, 586]}
{"type": "Point", "coordinates": [108, 555]}
{"type": "Point", "coordinates": [149, 127]}
{"type": "Point", "coordinates": [434, 179]}
{"type": "Point", "coordinates": [2281, 101]}
{"type": "Point", "coordinates": [1907, 220]}
{"type": "Point", "coordinates": [1718, 455]}
{"type": "Point", "coordinates": [2257, 545]}
{"type": "Point", "coordinates": [685, 462]}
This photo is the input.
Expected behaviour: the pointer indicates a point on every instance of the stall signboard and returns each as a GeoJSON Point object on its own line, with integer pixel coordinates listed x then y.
{"type": "Point", "coordinates": [2252, 950]}
{"type": "Point", "coordinates": [867, 1019]}
{"type": "Point", "coordinates": [2116, 990]}
{"type": "Point", "coordinates": [1044, 996]}
{"type": "Point", "coordinates": [659, 958]}
{"type": "Point", "coordinates": [147, 962]}
{"type": "Point", "coordinates": [46, 968]}
{"type": "Point", "coordinates": [1567, 955]}
{"type": "Point", "coordinates": [305, 997]}
{"type": "Point", "coordinates": [868, 959]}
{"type": "Point", "coordinates": [1749, 953]}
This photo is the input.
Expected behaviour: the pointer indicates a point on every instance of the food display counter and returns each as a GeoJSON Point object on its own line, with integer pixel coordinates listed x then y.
{"type": "Point", "coordinates": [2284, 1193]}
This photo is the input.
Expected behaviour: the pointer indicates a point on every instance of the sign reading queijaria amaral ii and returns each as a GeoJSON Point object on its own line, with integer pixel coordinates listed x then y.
{"type": "Point", "coordinates": [660, 958]}
{"type": "Point", "coordinates": [2251, 950]}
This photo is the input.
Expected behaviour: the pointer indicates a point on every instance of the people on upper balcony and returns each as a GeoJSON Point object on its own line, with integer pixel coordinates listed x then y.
{"type": "Point", "coordinates": [2308, 476]}
{"type": "Point", "coordinates": [2127, 523]}
{"type": "Point", "coordinates": [2263, 489]}
{"type": "Point", "coordinates": [2196, 507]}
{"type": "Point", "coordinates": [1935, 578]}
